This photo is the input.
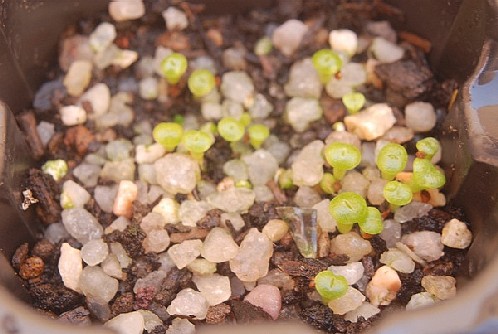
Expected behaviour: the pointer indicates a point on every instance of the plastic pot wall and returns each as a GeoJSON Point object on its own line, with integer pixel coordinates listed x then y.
{"type": "Point", "coordinates": [464, 35]}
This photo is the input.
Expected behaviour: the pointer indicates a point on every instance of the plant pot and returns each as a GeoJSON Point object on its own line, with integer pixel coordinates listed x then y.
{"type": "Point", "coordinates": [464, 36]}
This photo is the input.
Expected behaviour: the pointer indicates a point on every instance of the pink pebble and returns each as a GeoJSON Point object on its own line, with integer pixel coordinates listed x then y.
{"type": "Point", "coordinates": [268, 298]}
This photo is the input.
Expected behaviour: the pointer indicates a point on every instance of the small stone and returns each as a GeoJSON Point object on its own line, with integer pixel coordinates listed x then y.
{"type": "Point", "coordinates": [303, 80]}
{"type": "Point", "coordinates": [375, 191]}
{"type": "Point", "coordinates": [304, 228]}
{"type": "Point", "coordinates": [80, 224]}
{"type": "Point", "coordinates": [343, 40]}
{"type": "Point", "coordinates": [261, 166]}
{"type": "Point", "coordinates": [151, 320]}
{"type": "Point", "coordinates": [279, 149]}
{"type": "Point", "coordinates": [398, 134]}
{"type": "Point", "coordinates": [148, 154]}
{"type": "Point", "coordinates": [70, 266]}
{"type": "Point", "coordinates": [102, 37]}
{"type": "Point", "coordinates": [168, 208]}
{"type": "Point", "coordinates": [355, 182]}
{"type": "Point", "coordinates": [365, 310]}
{"type": "Point", "coordinates": [112, 267]}
{"type": "Point", "coordinates": [219, 246]}
{"type": "Point", "coordinates": [211, 110]}
{"type": "Point", "coordinates": [442, 287]}
{"type": "Point", "coordinates": [343, 137]}
{"type": "Point", "coordinates": [177, 173]}
{"type": "Point", "coordinates": [368, 155]}
{"type": "Point", "coordinates": [306, 197]}
{"type": "Point", "coordinates": [72, 115]}
{"type": "Point", "coordinates": [382, 29]}
{"type": "Point", "coordinates": [147, 174]}
{"type": "Point", "coordinates": [421, 299]}
{"type": "Point", "coordinates": [191, 211]}
{"type": "Point", "coordinates": [238, 87]}
{"type": "Point", "coordinates": [94, 252]}
{"type": "Point", "coordinates": [166, 263]}
{"type": "Point", "coordinates": [123, 10]}
{"type": "Point", "coordinates": [152, 282]}
{"type": "Point", "coordinates": [275, 229]}
{"type": "Point", "coordinates": [261, 107]}
{"type": "Point", "coordinates": [99, 309]}
{"type": "Point", "coordinates": [118, 170]}
{"type": "Point", "coordinates": [118, 150]}
{"type": "Point", "coordinates": [371, 123]}
{"type": "Point", "coordinates": [56, 232]}
{"type": "Point", "coordinates": [119, 224]}
{"type": "Point", "coordinates": [307, 168]}
{"type": "Point", "coordinates": [120, 112]}
{"type": "Point", "coordinates": [74, 48]}
{"type": "Point", "coordinates": [420, 116]}
{"type": "Point", "coordinates": [456, 234]}
{"type": "Point", "coordinates": [411, 211]}
{"type": "Point", "coordinates": [234, 219]}
{"type": "Point", "coordinates": [78, 77]}
{"type": "Point", "coordinates": [123, 202]}
{"type": "Point", "coordinates": [325, 220]}
{"type": "Point", "coordinates": [189, 303]}
{"type": "Point", "coordinates": [268, 298]}
{"type": "Point", "coordinates": [352, 245]}
{"type": "Point", "coordinates": [184, 253]}
{"type": "Point", "coordinates": [118, 250]}
{"type": "Point", "coordinates": [127, 323]}
{"type": "Point", "coordinates": [97, 285]}
{"type": "Point", "coordinates": [45, 130]}
{"type": "Point", "coordinates": [180, 326]}
{"type": "Point", "coordinates": [232, 199]}
{"type": "Point", "coordinates": [153, 221]}
{"type": "Point", "coordinates": [398, 260]}
{"type": "Point", "coordinates": [277, 278]}
{"type": "Point", "coordinates": [215, 288]}
{"type": "Point", "coordinates": [236, 169]}
{"type": "Point", "coordinates": [234, 59]}
{"type": "Point", "coordinates": [252, 260]}
{"type": "Point", "coordinates": [349, 302]}
{"type": "Point", "coordinates": [425, 244]}
{"type": "Point", "coordinates": [73, 195]}
{"type": "Point", "coordinates": [301, 111]}
{"type": "Point", "coordinates": [156, 241]}
{"type": "Point", "coordinates": [175, 19]}
{"type": "Point", "coordinates": [148, 88]}
{"type": "Point", "coordinates": [104, 196]}
{"type": "Point", "coordinates": [382, 289]}
{"type": "Point", "coordinates": [391, 233]}
{"type": "Point", "coordinates": [288, 36]}
{"type": "Point", "coordinates": [385, 51]}
{"type": "Point", "coordinates": [87, 174]}
{"type": "Point", "coordinates": [352, 75]}
{"type": "Point", "coordinates": [202, 267]}
{"type": "Point", "coordinates": [352, 271]}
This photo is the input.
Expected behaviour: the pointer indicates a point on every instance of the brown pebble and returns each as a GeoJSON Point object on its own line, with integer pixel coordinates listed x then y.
{"type": "Point", "coordinates": [27, 122]}
{"type": "Point", "coordinates": [215, 36]}
{"type": "Point", "coordinates": [217, 314]}
{"type": "Point", "coordinates": [174, 40]}
{"type": "Point", "coordinates": [106, 135]}
{"type": "Point", "coordinates": [122, 304]}
{"type": "Point", "coordinates": [78, 316]}
{"type": "Point", "coordinates": [78, 137]}
{"type": "Point", "coordinates": [44, 249]}
{"type": "Point", "coordinates": [32, 267]}
{"type": "Point", "coordinates": [54, 146]}
{"type": "Point", "coordinates": [20, 256]}
{"type": "Point", "coordinates": [195, 233]}
{"type": "Point", "coordinates": [45, 189]}
{"type": "Point", "coordinates": [333, 110]}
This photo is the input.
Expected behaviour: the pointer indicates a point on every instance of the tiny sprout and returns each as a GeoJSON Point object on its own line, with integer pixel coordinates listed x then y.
{"type": "Point", "coordinates": [168, 134]}
{"type": "Point", "coordinates": [397, 193]}
{"type": "Point", "coordinates": [391, 160]}
{"type": "Point", "coordinates": [426, 175]}
{"type": "Point", "coordinates": [245, 119]}
{"type": "Point", "coordinates": [197, 143]}
{"type": "Point", "coordinates": [285, 179]}
{"type": "Point", "coordinates": [173, 67]}
{"type": "Point", "coordinates": [327, 63]}
{"type": "Point", "coordinates": [330, 286]}
{"type": "Point", "coordinates": [201, 82]}
{"type": "Point", "coordinates": [258, 134]}
{"type": "Point", "coordinates": [231, 129]}
{"type": "Point", "coordinates": [243, 184]}
{"type": "Point", "coordinates": [342, 157]}
{"type": "Point", "coordinates": [328, 184]}
{"type": "Point", "coordinates": [354, 101]}
{"type": "Point", "coordinates": [179, 119]}
{"type": "Point", "coordinates": [428, 147]}
{"type": "Point", "coordinates": [373, 222]}
{"type": "Point", "coordinates": [57, 168]}
{"type": "Point", "coordinates": [263, 46]}
{"type": "Point", "coordinates": [348, 208]}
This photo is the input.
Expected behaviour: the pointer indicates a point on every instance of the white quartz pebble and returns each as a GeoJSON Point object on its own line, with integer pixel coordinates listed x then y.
{"type": "Point", "coordinates": [419, 300]}
{"type": "Point", "coordinates": [189, 302]}
{"type": "Point", "coordinates": [301, 111]}
{"type": "Point", "coordinates": [349, 302]}
{"type": "Point", "coordinates": [180, 326]}
{"type": "Point", "coordinates": [177, 173]}
{"type": "Point", "coordinates": [156, 241]}
{"type": "Point", "coordinates": [94, 252]}
{"type": "Point", "coordinates": [232, 199]}
{"type": "Point", "coordinates": [442, 287]}
{"type": "Point", "coordinates": [175, 19]}
{"type": "Point", "coordinates": [219, 246]}
{"type": "Point", "coordinates": [72, 115]}
{"type": "Point", "coordinates": [385, 51]}
{"type": "Point", "coordinates": [123, 203]}
{"type": "Point", "coordinates": [168, 208]}
{"type": "Point", "coordinates": [425, 244]}
{"type": "Point", "coordinates": [420, 116]}
{"type": "Point", "coordinates": [267, 297]}
{"type": "Point", "coordinates": [96, 285]}
{"type": "Point", "coordinates": [353, 271]}
{"type": "Point", "coordinates": [456, 234]}
{"type": "Point", "coordinates": [343, 40]}
{"type": "Point", "coordinates": [352, 245]}
{"type": "Point", "coordinates": [307, 168]}
{"type": "Point", "coordinates": [127, 323]}
{"type": "Point", "coordinates": [70, 266]}
{"type": "Point", "coordinates": [99, 96]}
{"type": "Point", "coordinates": [73, 195]}
{"type": "Point", "coordinates": [80, 224]}
{"type": "Point", "coordinates": [123, 10]}
{"type": "Point", "coordinates": [78, 77]}
{"type": "Point", "coordinates": [288, 36]}
{"type": "Point", "coordinates": [184, 253]}
{"type": "Point", "coordinates": [382, 289]}
{"type": "Point", "coordinates": [365, 310]}
{"type": "Point", "coordinates": [215, 288]}
{"type": "Point", "coordinates": [275, 229]}
{"type": "Point", "coordinates": [371, 123]}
